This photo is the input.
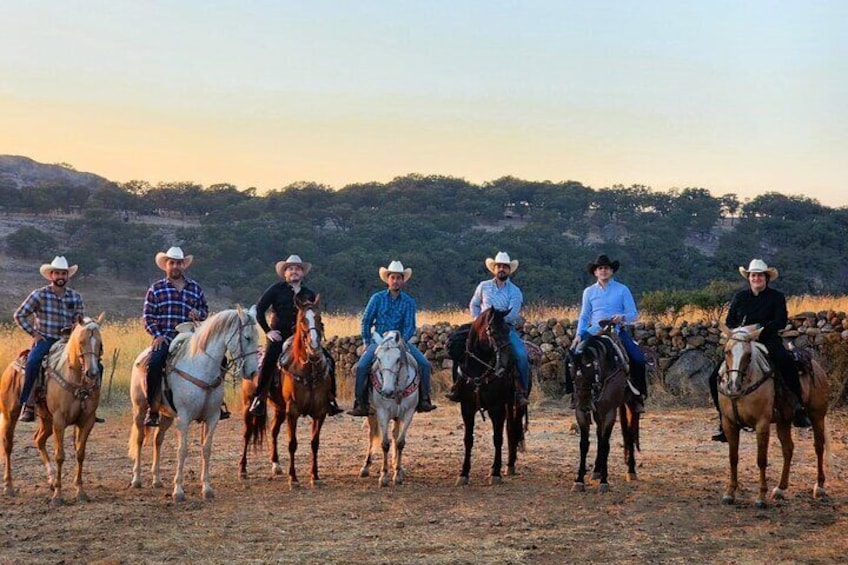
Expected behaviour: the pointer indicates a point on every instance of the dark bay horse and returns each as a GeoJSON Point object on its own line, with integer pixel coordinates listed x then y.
{"type": "Point", "coordinates": [749, 397]}
{"type": "Point", "coordinates": [601, 389]}
{"type": "Point", "coordinates": [487, 383]}
{"type": "Point", "coordinates": [304, 389]}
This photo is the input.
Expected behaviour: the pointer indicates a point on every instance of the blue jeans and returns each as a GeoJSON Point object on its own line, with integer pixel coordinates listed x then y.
{"type": "Point", "coordinates": [363, 367]}
{"type": "Point", "coordinates": [521, 361]}
{"type": "Point", "coordinates": [33, 365]}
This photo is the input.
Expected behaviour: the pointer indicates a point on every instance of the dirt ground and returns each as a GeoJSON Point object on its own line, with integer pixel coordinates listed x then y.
{"type": "Point", "coordinates": [672, 514]}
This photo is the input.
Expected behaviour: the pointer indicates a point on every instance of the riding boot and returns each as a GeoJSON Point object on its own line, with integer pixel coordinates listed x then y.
{"type": "Point", "coordinates": [800, 419]}
{"type": "Point", "coordinates": [27, 414]}
{"type": "Point", "coordinates": [257, 405]}
{"type": "Point", "coordinates": [720, 435]}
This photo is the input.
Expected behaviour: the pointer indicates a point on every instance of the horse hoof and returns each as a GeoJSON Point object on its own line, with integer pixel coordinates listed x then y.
{"type": "Point", "coordinates": [760, 505]}
{"type": "Point", "coordinates": [578, 487]}
{"type": "Point", "coordinates": [462, 481]}
{"type": "Point", "coordinates": [510, 471]}
{"type": "Point", "coordinates": [727, 500]}
{"type": "Point", "coordinates": [178, 497]}
{"type": "Point", "coordinates": [777, 494]}
{"type": "Point", "coordinates": [630, 477]}
{"type": "Point", "coordinates": [603, 487]}
{"type": "Point", "coordinates": [495, 480]}
{"type": "Point", "coordinates": [364, 472]}
{"type": "Point", "coordinates": [819, 493]}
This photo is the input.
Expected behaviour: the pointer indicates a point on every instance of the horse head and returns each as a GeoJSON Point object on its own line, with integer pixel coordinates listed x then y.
{"type": "Point", "coordinates": [741, 355]}
{"type": "Point", "coordinates": [389, 358]}
{"type": "Point", "coordinates": [85, 346]}
{"type": "Point", "coordinates": [309, 329]}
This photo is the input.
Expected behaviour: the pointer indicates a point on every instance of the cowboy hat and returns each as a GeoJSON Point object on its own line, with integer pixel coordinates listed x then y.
{"type": "Point", "coordinates": [176, 254]}
{"type": "Point", "coordinates": [758, 266]}
{"type": "Point", "coordinates": [395, 267]}
{"type": "Point", "coordinates": [59, 264]}
{"type": "Point", "coordinates": [281, 266]}
{"type": "Point", "coordinates": [502, 258]}
{"type": "Point", "coordinates": [602, 261]}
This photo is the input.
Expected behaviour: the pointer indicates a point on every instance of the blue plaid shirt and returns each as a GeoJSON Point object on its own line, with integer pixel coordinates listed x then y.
{"type": "Point", "coordinates": [165, 307]}
{"type": "Point", "coordinates": [385, 313]}
{"type": "Point", "coordinates": [51, 312]}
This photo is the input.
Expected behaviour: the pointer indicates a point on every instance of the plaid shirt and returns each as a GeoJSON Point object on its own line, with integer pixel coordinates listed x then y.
{"type": "Point", "coordinates": [165, 307]}
{"type": "Point", "coordinates": [385, 313]}
{"type": "Point", "coordinates": [51, 312]}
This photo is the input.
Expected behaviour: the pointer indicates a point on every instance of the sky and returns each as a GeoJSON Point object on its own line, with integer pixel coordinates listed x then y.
{"type": "Point", "coordinates": [733, 96]}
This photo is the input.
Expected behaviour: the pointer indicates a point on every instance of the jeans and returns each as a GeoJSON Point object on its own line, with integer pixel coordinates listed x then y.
{"type": "Point", "coordinates": [363, 367]}
{"type": "Point", "coordinates": [155, 372]}
{"type": "Point", "coordinates": [33, 365]}
{"type": "Point", "coordinates": [522, 363]}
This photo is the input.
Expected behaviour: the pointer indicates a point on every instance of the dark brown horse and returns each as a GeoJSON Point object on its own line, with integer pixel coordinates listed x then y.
{"type": "Point", "coordinates": [304, 389]}
{"type": "Point", "coordinates": [601, 389]}
{"type": "Point", "coordinates": [487, 383]}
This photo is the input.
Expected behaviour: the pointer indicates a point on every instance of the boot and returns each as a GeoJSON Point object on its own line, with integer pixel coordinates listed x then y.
{"type": "Point", "coordinates": [720, 435]}
{"type": "Point", "coordinates": [151, 419]}
{"type": "Point", "coordinates": [359, 409]}
{"type": "Point", "coordinates": [453, 394]}
{"type": "Point", "coordinates": [424, 405]}
{"type": "Point", "coordinates": [334, 408]}
{"type": "Point", "coordinates": [800, 419]}
{"type": "Point", "coordinates": [27, 414]}
{"type": "Point", "coordinates": [257, 406]}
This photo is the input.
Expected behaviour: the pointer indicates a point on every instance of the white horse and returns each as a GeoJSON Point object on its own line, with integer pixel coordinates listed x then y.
{"type": "Point", "coordinates": [394, 396]}
{"type": "Point", "coordinates": [195, 378]}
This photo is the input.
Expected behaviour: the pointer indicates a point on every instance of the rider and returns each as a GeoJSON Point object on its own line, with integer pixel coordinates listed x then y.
{"type": "Point", "coordinates": [761, 304]}
{"type": "Point", "coordinates": [501, 293]}
{"type": "Point", "coordinates": [611, 300]}
{"type": "Point", "coordinates": [169, 302]}
{"type": "Point", "coordinates": [388, 310]}
{"type": "Point", "coordinates": [54, 308]}
{"type": "Point", "coordinates": [279, 297]}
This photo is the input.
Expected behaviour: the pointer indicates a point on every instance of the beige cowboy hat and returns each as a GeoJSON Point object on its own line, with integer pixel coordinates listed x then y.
{"type": "Point", "coordinates": [502, 258]}
{"type": "Point", "coordinates": [59, 264]}
{"type": "Point", "coordinates": [175, 253]}
{"type": "Point", "coordinates": [395, 267]}
{"type": "Point", "coordinates": [292, 260]}
{"type": "Point", "coordinates": [758, 266]}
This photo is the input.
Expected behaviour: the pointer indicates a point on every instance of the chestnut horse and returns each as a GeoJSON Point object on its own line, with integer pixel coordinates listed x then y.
{"type": "Point", "coordinates": [601, 389]}
{"type": "Point", "coordinates": [486, 382]}
{"type": "Point", "coordinates": [749, 398]}
{"type": "Point", "coordinates": [72, 393]}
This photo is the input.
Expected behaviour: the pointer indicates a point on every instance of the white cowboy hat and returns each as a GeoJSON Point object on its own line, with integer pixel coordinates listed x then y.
{"type": "Point", "coordinates": [175, 253]}
{"type": "Point", "coordinates": [59, 264]}
{"type": "Point", "coordinates": [758, 266]}
{"type": "Point", "coordinates": [292, 260]}
{"type": "Point", "coordinates": [395, 267]}
{"type": "Point", "coordinates": [502, 258]}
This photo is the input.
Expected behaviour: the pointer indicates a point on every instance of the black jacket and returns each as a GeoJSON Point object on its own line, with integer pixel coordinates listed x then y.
{"type": "Point", "coordinates": [279, 297]}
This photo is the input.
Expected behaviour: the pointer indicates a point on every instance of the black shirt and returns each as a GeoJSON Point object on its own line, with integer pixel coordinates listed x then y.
{"type": "Point", "coordinates": [280, 298]}
{"type": "Point", "coordinates": [768, 309]}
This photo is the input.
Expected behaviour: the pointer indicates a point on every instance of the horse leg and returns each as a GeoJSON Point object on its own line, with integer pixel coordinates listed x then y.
{"type": "Point", "coordinates": [317, 423]}
{"type": "Point", "coordinates": [59, 458]}
{"type": "Point", "coordinates": [629, 432]}
{"type": "Point", "coordinates": [820, 439]}
{"type": "Point", "coordinates": [584, 423]}
{"type": "Point", "coordinates": [279, 418]}
{"type": "Point", "coordinates": [135, 445]}
{"type": "Point", "coordinates": [291, 428]}
{"type": "Point", "coordinates": [44, 431]}
{"type": "Point", "coordinates": [732, 433]}
{"type": "Point", "coordinates": [182, 451]}
{"type": "Point", "coordinates": [373, 438]}
{"type": "Point", "coordinates": [206, 459]}
{"type": "Point", "coordinates": [763, 430]}
{"type": "Point", "coordinates": [784, 434]}
{"type": "Point", "coordinates": [497, 416]}
{"type": "Point", "coordinates": [385, 444]}
{"type": "Point", "coordinates": [81, 440]}
{"type": "Point", "coordinates": [8, 421]}
{"type": "Point", "coordinates": [158, 440]}
{"type": "Point", "coordinates": [468, 413]}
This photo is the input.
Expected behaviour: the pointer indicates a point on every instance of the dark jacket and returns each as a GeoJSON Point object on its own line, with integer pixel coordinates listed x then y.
{"type": "Point", "coordinates": [279, 297]}
{"type": "Point", "coordinates": [768, 309]}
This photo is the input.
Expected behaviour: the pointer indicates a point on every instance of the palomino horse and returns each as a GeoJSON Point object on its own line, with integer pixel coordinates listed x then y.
{"type": "Point", "coordinates": [749, 398]}
{"type": "Point", "coordinates": [601, 389]}
{"type": "Point", "coordinates": [194, 381]}
{"type": "Point", "coordinates": [71, 397]}
{"type": "Point", "coordinates": [394, 396]}
{"type": "Point", "coordinates": [487, 383]}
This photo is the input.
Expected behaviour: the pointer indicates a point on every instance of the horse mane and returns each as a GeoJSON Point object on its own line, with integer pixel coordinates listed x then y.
{"type": "Point", "coordinates": [212, 326]}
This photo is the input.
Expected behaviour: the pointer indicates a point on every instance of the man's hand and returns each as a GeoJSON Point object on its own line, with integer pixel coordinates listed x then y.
{"type": "Point", "coordinates": [274, 335]}
{"type": "Point", "coordinates": [157, 342]}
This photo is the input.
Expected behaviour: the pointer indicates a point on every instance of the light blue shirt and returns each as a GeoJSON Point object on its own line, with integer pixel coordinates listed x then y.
{"type": "Point", "coordinates": [489, 295]}
{"type": "Point", "coordinates": [601, 303]}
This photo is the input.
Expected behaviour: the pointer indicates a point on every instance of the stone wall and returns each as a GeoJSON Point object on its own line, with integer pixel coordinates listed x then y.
{"type": "Point", "coordinates": [684, 354]}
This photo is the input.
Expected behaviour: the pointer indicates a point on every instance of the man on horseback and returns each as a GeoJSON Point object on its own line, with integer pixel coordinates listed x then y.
{"type": "Point", "coordinates": [387, 310]}
{"type": "Point", "coordinates": [611, 300]}
{"type": "Point", "coordinates": [54, 308]}
{"type": "Point", "coordinates": [763, 305]}
{"type": "Point", "coordinates": [169, 302]}
{"type": "Point", "coordinates": [279, 297]}
{"type": "Point", "coordinates": [501, 293]}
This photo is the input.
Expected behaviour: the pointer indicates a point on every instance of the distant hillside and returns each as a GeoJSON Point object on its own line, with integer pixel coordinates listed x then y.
{"type": "Point", "coordinates": [21, 172]}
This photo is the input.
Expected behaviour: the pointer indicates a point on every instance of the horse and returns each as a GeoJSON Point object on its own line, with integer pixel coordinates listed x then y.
{"type": "Point", "coordinates": [71, 397]}
{"type": "Point", "coordinates": [750, 398]}
{"type": "Point", "coordinates": [486, 382]}
{"type": "Point", "coordinates": [394, 397]}
{"type": "Point", "coordinates": [601, 388]}
{"type": "Point", "coordinates": [194, 390]}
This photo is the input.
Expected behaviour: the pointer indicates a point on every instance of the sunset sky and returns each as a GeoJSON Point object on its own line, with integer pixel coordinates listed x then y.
{"type": "Point", "coordinates": [732, 96]}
